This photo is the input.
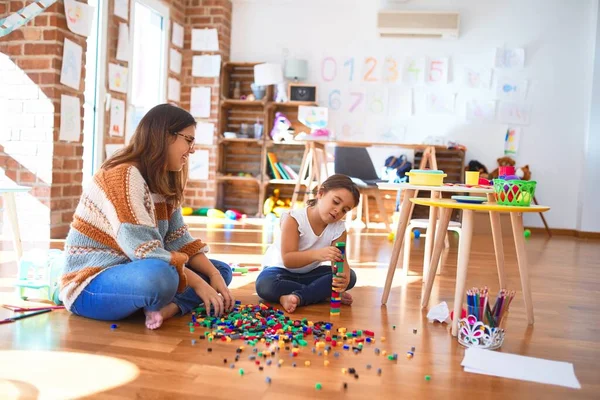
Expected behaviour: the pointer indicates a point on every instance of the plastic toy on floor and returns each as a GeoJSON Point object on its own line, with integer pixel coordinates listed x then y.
{"type": "Point", "coordinates": [40, 270]}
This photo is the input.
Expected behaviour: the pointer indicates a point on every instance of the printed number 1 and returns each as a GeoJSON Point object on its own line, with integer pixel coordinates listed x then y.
{"type": "Point", "coordinates": [350, 62]}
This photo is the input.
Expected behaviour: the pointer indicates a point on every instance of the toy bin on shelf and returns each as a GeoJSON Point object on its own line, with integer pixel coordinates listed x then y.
{"type": "Point", "coordinates": [514, 192]}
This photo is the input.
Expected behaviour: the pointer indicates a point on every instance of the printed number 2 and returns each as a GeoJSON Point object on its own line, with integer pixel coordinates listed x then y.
{"type": "Point", "coordinates": [369, 74]}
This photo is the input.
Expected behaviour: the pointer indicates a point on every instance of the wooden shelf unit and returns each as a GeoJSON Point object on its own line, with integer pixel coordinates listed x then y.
{"type": "Point", "coordinates": [249, 155]}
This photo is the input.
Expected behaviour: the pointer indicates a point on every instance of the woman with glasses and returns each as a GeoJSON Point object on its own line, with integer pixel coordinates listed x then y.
{"type": "Point", "coordinates": [128, 247]}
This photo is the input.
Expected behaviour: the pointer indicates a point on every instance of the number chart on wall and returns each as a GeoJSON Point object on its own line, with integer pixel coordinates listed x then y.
{"type": "Point", "coordinates": [373, 98]}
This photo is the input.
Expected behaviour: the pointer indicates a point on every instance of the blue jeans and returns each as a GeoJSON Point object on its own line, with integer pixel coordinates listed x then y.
{"type": "Point", "coordinates": [148, 284]}
{"type": "Point", "coordinates": [311, 287]}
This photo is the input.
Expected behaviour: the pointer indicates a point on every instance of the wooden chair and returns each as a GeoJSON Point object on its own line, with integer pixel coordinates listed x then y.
{"type": "Point", "coordinates": [356, 163]}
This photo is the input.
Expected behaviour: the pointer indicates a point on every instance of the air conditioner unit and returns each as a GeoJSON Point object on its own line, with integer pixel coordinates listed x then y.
{"type": "Point", "coordinates": [426, 24]}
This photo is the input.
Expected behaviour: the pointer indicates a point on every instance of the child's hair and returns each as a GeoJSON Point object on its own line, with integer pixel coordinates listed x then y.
{"type": "Point", "coordinates": [337, 181]}
{"type": "Point", "coordinates": [148, 147]}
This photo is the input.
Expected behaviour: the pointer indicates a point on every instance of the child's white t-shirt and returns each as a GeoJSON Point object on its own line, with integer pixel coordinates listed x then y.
{"type": "Point", "coordinates": [307, 241]}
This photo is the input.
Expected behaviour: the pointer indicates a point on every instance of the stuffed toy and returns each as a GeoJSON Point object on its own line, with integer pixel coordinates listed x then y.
{"type": "Point", "coordinates": [502, 162]}
{"type": "Point", "coordinates": [524, 173]}
{"type": "Point", "coordinates": [475, 165]}
{"type": "Point", "coordinates": [281, 131]}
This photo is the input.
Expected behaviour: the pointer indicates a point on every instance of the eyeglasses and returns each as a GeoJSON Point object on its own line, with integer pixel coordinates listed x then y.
{"type": "Point", "coordinates": [189, 139]}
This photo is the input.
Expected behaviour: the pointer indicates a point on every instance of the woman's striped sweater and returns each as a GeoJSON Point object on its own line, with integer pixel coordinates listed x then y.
{"type": "Point", "coordinates": [117, 221]}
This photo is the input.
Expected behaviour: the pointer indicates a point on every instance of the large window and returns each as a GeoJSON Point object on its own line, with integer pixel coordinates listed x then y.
{"type": "Point", "coordinates": [148, 67]}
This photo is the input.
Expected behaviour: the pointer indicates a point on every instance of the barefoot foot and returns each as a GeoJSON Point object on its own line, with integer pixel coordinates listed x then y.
{"type": "Point", "coordinates": [154, 319]}
{"type": "Point", "coordinates": [289, 302]}
{"type": "Point", "coordinates": [347, 298]}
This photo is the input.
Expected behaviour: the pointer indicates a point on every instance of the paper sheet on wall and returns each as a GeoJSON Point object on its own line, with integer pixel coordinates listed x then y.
{"type": "Point", "coordinates": [524, 368]}
{"type": "Point", "coordinates": [70, 72]}
{"type": "Point", "coordinates": [198, 168]}
{"type": "Point", "coordinates": [200, 102]}
{"type": "Point", "coordinates": [511, 89]}
{"type": "Point", "coordinates": [514, 112]}
{"type": "Point", "coordinates": [313, 117]}
{"type": "Point", "coordinates": [173, 90]}
{"type": "Point", "coordinates": [70, 118]}
{"type": "Point", "coordinates": [206, 66]}
{"type": "Point", "coordinates": [437, 70]}
{"type": "Point", "coordinates": [400, 102]}
{"type": "Point", "coordinates": [117, 117]}
{"type": "Point", "coordinates": [112, 149]}
{"type": "Point", "coordinates": [122, 9]}
{"type": "Point", "coordinates": [175, 61]}
{"type": "Point", "coordinates": [477, 78]}
{"type": "Point", "coordinates": [79, 17]}
{"type": "Point", "coordinates": [377, 101]}
{"type": "Point", "coordinates": [205, 40]}
{"type": "Point", "coordinates": [478, 110]}
{"type": "Point", "coordinates": [177, 35]}
{"type": "Point", "coordinates": [414, 71]}
{"type": "Point", "coordinates": [123, 49]}
{"type": "Point", "coordinates": [511, 141]}
{"type": "Point", "coordinates": [510, 58]}
{"type": "Point", "coordinates": [205, 133]}
{"type": "Point", "coordinates": [440, 103]}
{"type": "Point", "coordinates": [117, 78]}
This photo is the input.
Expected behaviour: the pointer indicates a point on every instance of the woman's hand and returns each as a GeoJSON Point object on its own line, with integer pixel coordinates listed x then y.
{"type": "Point", "coordinates": [330, 253]}
{"type": "Point", "coordinates": [209, 296]}
{"type": "Point", "coordinates": [218, 284]}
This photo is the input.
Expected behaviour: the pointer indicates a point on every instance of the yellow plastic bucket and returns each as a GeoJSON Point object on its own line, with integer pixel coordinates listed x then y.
{"type": "Point", "coordinates": [426, 177]}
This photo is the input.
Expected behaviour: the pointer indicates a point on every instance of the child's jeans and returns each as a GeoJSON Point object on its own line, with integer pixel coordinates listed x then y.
{"type": "Point", "coordinates": [311, 287]}
{"type": "Point", "coordinates": [148, 284]}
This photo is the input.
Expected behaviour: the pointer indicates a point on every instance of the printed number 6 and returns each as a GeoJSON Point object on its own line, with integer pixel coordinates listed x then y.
{"type": "Point", "coordinates": [334, 100]}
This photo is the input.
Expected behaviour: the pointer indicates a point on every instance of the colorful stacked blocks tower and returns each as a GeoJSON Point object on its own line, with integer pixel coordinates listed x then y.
{"type": "Point", "coordinates": [336, 299]}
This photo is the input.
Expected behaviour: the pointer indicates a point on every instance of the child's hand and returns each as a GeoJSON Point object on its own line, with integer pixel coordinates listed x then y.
{"type": "Point", "coordinates": [330, 253]}
{"type": "Point", "coordinates": [341, 282]}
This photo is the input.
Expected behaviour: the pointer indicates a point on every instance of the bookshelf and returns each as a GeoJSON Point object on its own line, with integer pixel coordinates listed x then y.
{"type": "Point", "coordinates": [244, 178]}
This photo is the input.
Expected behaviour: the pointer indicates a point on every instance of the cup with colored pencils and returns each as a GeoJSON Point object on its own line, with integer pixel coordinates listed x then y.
{"type": "Point", "coordinates": [482, 326]}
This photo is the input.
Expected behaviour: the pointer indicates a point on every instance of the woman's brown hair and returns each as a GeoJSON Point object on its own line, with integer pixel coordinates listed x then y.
{"type": "Point", "coordinates": [148, 149]}
{"type": "Point", "coordinates": [337, 181]}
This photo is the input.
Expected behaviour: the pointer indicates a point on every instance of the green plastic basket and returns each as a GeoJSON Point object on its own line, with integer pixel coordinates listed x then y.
{"type": "Point", "coordinates": [514, 193]}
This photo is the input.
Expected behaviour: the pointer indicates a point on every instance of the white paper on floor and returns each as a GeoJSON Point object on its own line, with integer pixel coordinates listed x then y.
{"type": "Point", "coordinates": [524, 368]}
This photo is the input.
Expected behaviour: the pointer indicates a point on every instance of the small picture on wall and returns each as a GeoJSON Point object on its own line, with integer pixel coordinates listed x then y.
{"type": "Point", "coordinates": [302, 92]}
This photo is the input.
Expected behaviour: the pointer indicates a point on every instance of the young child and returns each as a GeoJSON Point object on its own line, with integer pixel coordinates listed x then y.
{"type": "Point", "coordinates": [299, 264]}
{"type": "Point", "coordinates": [128, 247]}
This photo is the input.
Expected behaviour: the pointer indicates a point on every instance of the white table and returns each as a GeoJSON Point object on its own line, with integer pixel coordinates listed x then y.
{"type": "Point", "coordinates": [406, 215]}
{"type": "Point", "coordinates": [8, 190]}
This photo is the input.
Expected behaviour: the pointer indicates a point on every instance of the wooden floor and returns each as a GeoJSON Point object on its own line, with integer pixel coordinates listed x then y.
{"type": "Point", "coordinates": [61, 355]}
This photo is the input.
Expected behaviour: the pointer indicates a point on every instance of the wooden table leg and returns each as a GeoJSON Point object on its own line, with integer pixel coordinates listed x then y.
{"type": "Point", "coordinates": [301, 175]}
{"type": "Point", "coordinates": [433, 211]}
{"type": "Point", "coordinates": [498, 246]}
{"type": "Point", "coordinates": [464, 252]}
{"type": "Point", "coordinates": [405, 215]}
{"type": "Point", "coordinates": [11, 208]}
{"type": "Point", "coordinates": [437, 252]}
{"type": "Point", "coordinates": [517, 228]}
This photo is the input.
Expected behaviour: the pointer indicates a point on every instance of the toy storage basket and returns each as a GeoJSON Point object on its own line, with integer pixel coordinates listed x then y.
{"type": "Point", "coordinates": [514, 193]}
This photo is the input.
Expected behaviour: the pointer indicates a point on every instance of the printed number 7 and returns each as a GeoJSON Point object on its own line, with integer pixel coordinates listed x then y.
{"type": "Point", "coordinates": [359, 96]}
